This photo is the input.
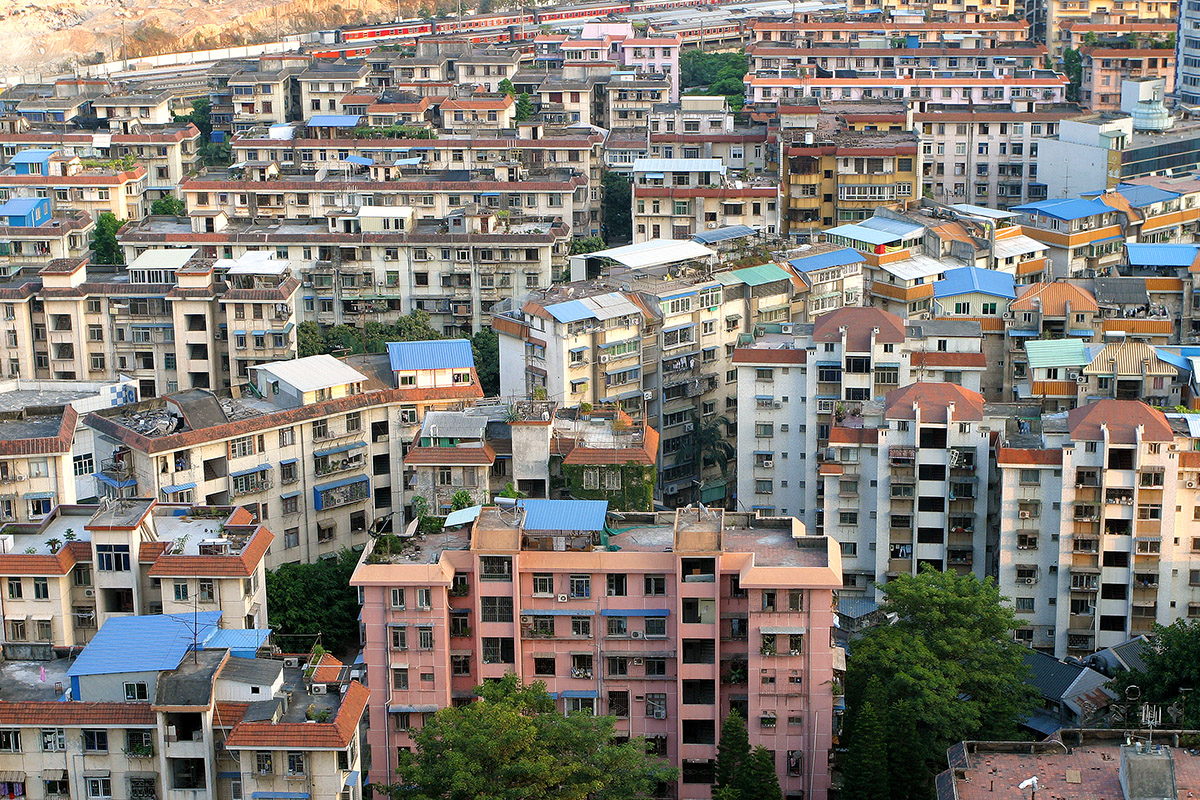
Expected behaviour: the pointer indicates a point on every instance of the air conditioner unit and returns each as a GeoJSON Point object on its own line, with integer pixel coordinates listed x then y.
{"type": "Point", "coordinates": [778, 404]}
{"type": "Point", "coordinates": [1072, 376]}
{"type": "Point", "coordinates": [768, 464]}
{"type": "Point", "coordinates": [89, 592]}
{"type": "Point", "coordinates": [604, 358]}
{"type": "Point", "coordinates": [647, 395]}
{"type": "Point", "coordinates": [562, 598]}
{"type": "Point", "coordinates": [637, 662]}
{"type": "Point", "coordinates": [1081, 379]}
{"type": "Point", "coordinates": [319, 688]}
{"type": "Point", "coordinates": [671, 490]}
{"type": "Point", "coordinates": [688, 428]}
{"type": "Point", "coordinates": [291, 662]}
{"type": "Point", "coordinates": [1030, 581]}
{"type": "Point", "coordinates": [526, 619]}
{"type": "Point", "coordinates": [637, 634]}
{"type": "Point", "coordinates": [1191, 484]}
{"type": "Point", "coordinates": [1023, 514]}
{"type": "Point", "coordinates": [660, 713]}
{"type": "Point", "coordinates": [786, 327]}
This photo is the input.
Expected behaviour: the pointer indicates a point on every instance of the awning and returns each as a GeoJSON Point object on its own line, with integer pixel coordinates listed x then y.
{"type": "Point", "coordinates": [360, 160]}
{"type": "Point", "coordinates": [411, 709]}
{"type": "Point", "coordinates": [239, 333]}
{"type": "Point", "coordinates": [259, 333]}
{"type": "Point", "coordinates": [38, 495]}
{"type": "Point", "coordinates": [231, 775]}
{"type": "Point", "coordinates": [635, 612]}
{"type": "Point", "coordinates": [462, 516]}
{"type": "Point", "coordinates": [344, 448]}
{"type": "Point", "coordinates": [61, 774]}
{"type": "Point", "coordinates": [179, 487]}
{"type": "Point", "coordinates": [116, 484]}
{"type": "Point", "coordinates": [580, 693]}
{"type": "Point", "coordinates": [655, 175]}
{"type": "Point", "coordinates": [782, 629]}
{"type": "Point", "coordinates": [289, 495]}
{"type": "Point", "coordinates": [1023, 333]}
{"type": "Point", "coordinates": [577, 349]}
{"type": "Point", "coordinates": [678, 327]}
{"type": "Point", "coordinates": [17, 777]}
{"type": "Point", "coordinates": [251, 471]}
{"type": "Point", "coordinates": [489, 194]}
{"type": "Point", "coordinates": [287, 461]}
{"type": "Point", "coordinates": [351, 779]}
{"type": "Point", "coordinates": [288, 328]}
{"type": "Point", "coordinates": [96, 773]}
{"type": "Point", "coordinates": [557, 612]}
{"type": "Point", "coordinates": [1108, 239]}
{"type": "Point", "coordinates": [1080, 332]}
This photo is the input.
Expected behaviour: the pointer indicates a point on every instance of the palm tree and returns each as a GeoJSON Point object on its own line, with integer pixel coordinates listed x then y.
{"type": "Point", "coordinates": [710, 445]}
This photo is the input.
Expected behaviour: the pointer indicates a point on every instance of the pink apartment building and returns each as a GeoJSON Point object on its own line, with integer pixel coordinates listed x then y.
{"type": "Point", "coordinates": [664, 620]}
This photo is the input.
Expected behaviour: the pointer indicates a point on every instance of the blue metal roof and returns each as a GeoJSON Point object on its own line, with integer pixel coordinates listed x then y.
{"type": "Point", "coordinates": [564, 515]}
{"type": "Point", "coordinates": [1162, 255]}
{"type": "Point", "coordinates": [860, 234]}
{"type": "Point", "coordinates": [334, 120]}
{"type": "Point", "coordinates": [31, 156]}
{"type": "Point", "coordinates": [1140, 196]}
{"type": "Point", "coordinates": [239, 642]}
{"type": "Point", "coordinates": [440, 354]}
{"type": "Point", "coordinates": [723, 234]}
{"type": "Point", "coordinates": [20, 206]}
{"type": "Point", "coordinates": [325, 487]}
{"type": "Point", "coordinates": [834, 258]}
{"type": "Point", "coordinates": [148, 643]}
{"type": "Point", "coordinates": [362, 161]}
{"type": "Point", "coordinates": [969, 280]}
{"type": "Point", "coordinates": [1174, 359]}
{"type": "Point", "coordinates": [1073, 208]}
{"type": "Point", "coordinates": [178, 487]}
{"type": "Point", "coordinates": [571, 311]}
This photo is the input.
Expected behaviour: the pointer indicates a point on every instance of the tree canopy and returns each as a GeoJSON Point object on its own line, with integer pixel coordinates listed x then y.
{"type": "Point", "coordinates": [586, 244]}
{"type": "Point", "coordinates": [616, 209]}
{"type": "Point", "coordinates": [947, 670]}
{"type": "Point", "coordinates": [512, 744]}
{"type": "Point", "coordinates": [741, 773]}
{"type": "Point", "coordinates": [169, 206]}
{"type": "Point", "coordinates": [312, 339]}
{"type": "Point", "coordinates": [1172, 660]}
{"type": "Point", "coordinates": [524, 107]}
{"type": "Point", "coordinates": [485, 345]}
{"type": "Point", "coordinates": [316, 598]}
{"type": "Point", "coordinates": [104, 239]}
{"type": "Point", "coordinates": [715, 73]}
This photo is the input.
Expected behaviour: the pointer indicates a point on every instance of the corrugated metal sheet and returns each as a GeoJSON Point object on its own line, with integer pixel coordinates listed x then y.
{"type": "Point", "coordinates": [723, 234]}
{"type": "Point", "coordinates": [1126, 358]}
{"type": "Point", "coordinates": [564, 515]}
{"type": "Point", "coordinates": [679, 165]}
{"type": "Point", "coordinates": [444, 354]}
{"type": "Point", "coordinates": [146, 643]}
{"type": "Point", "coordinates": [1049, 353]}
{"type": "Point", "coordinates": [1161, 255]}
{"type": "Point", "coordinates": [834, 258]}
{"type": "Point", "coordinates": [753, 276]}
{"type": "Point", "coordinates": [969, 280]}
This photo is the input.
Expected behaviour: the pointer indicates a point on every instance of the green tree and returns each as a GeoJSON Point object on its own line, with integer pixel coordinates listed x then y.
{"type": "Point", "coordinates": [524, 107]}
{"type": "Point", "coordinates": [460, 500]}
{"type": "Point", "coordinates": [616, 209]}
{"type": "Point", "coordinates": [506, 87]}
{"type": "Point", "coordinates": [104, 239]}
{"type": "Point", "coordinates": [866, 769]}
{"type": "Point", "coordinates": [200, 116]}
{"type": "Point", "coordinates": [1172, 659]}
{"type": "Point", "coordinates": [733, 753]}
{"type": "Point", "coordinates": [485, 345]}
{"type": "Point", "coordinates": [169, 206]}
{"type": "Point", "coordinates": [316, 598]}
{"type": "Point", "coordinates": [712, 447]}
{"type": "Point", "coordinates": [309, 341]}
{"type": "Point", "coordinates": [216, 154]}
{"type": "Point", "coordinates": [512, 744]}
{"type": "Point", "coordinates": [758, 780]}
{"type": "Point", "coordinates": [949, 661]}
{"type": "Point", "coordinates": [1072, 64]}
{"type": "Point", "coordinates": [586, 244]}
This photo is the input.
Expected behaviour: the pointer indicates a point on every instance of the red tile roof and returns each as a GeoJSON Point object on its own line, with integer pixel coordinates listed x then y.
{"type": "Point", "coordinates": [44, 445]}
{"type": "Point", "coordinates": [226, 715]}
{"type": "Point", "coordinates": [242, 565]}
{"type": "Point", "coordinates": [74, 713]}
{"type": "Point", "coordinates": [859, 323]}
{"type": "Point", "coordinates": [936, 359]}
{"type": "Point", "coordinates": [934, 400]}
{"type": "Point", "coordinates": [328, 669]}
{"type": "Point", "coordinates": [769, 355]}
{"type": "Point", "coordinates": [1014, 455]}
{"type": "Point", "coordinates": [1122, 417]}
{"type": "Point", "coordinates": [1053, 299]}
{"type": "Point", "coordinates": [435, 456]}
{"type": "Point", "coordinates": [853, 435]}
{"type": "Point", "coordinates": [306, 735]}
{"type": "Point", "coordinates": [44, 564]}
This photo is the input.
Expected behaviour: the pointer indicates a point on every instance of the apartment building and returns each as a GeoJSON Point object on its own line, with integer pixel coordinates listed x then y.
{"type": "Point", "coordinates": [73, 185]}
{"type": "Point", "coordinates": [324, 83]}
{"type": "Point", "coordinates": [146, 712]}
{"type": "Point", "coordinates": [930, 460]}
{"type": "Point", "coordinates": [266, 91]}
{"type": "Point", "coordinates": [1187, 81]}
{"type": "Point", "coordinates": [78, 566]}
{"type": "Point", "coordinates": [121, 110]}
{"type": "Point", "coordinates": [908, 59]}
{"type": "Point", "coordinates": [1087, 550]}
{"type": "Point", "coordinates": [834, 276]}
{"type": "Point", "coordinates": [1055, 17]}
{"type": "Point", "coordinates": [1106, 68]}
{"type": "Point", "coordinates": [702, 126]}
{"type": "Point", "coordinates": [824, 31]}
{"type": "Point", "coordinates": [698, 612]}
{"type": "Point", "coordinates": [478, 116]}
{"type": "Point", "coordinates": [676, 198]}
{"type": "Point", "coordinates": [659, 349]}
{"type": "Point", "coordinates": [1084, 237]}
{"type": "Point", "coordinates": [630, 100]}
{"type": "Point", "coordinates": [31, 235]}
{"type": "Point", "coordinates": [312, 443]}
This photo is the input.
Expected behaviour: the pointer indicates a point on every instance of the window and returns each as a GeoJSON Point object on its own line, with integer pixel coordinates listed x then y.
{"type": "Point", "coordinates": [181, 591]}
{"type": "Point", "coordinates": [618, 626]}
{"type": "Point", "coordinates": [83, 465]}
{"type": "Point", "coordinates": [397, 598]}
{"type": "Point", "coordinates": [617, 585]}
{"type": "Point", "coordinates": [99, 787]}
{"type": "Point", "coordinates": [295, 763]}
{"type": "Point", "coordinates": [399, 638]}
{"type": "Point", "coordinates": [10, 741]}
{"type": "Point", "coordinates": [136, 691]}
{"type": "Point", "coordinates": [656, 704]}
{"type": "Point", "coordinates": [54, 740]}
{"type": "Point", "coordinates": [112, 557]}
{"type": "Point", "coordinates": [399, 679]}
{"type": "Point", "coordinates": [656, 626]}
{"type": "Point", "coordinates": [264, 763]}
{"type": "Point", "coordinates": [15, 592]}
{"type": "Point", "coordinates": [543, 585]}
{"type": "Point", "coordinates": [424, 599]}
{"type": "Point", "coordinates": [496, 609]}
{"type": "Point", "coordinates": [1025, 605]}
{"type": "Point", "coordinates": [95, 741]}
{"type": "Point", "coordinates": [655, 585]}
{"type": "Point", "coordinates": [581, 586]}
{"type": "Point", "coordinates": [581, 626]}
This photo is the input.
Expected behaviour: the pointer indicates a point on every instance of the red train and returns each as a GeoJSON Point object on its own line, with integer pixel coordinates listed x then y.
{"type": "Point", "coordinates": [484, 28]}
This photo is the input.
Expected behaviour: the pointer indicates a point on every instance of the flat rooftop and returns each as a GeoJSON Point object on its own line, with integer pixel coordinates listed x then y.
{"type": "Point", "coordinates": [19, 399]}
{"type": "Point", "coordinates": [22, 680]}
{"type": "Point", "coordinates": [33, 427]}
{"type": "Point", "coordinates": [22, 538]}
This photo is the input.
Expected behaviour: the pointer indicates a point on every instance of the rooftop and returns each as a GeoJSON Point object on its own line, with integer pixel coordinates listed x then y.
{"type": "Point", "coordinates": [313, 372]}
